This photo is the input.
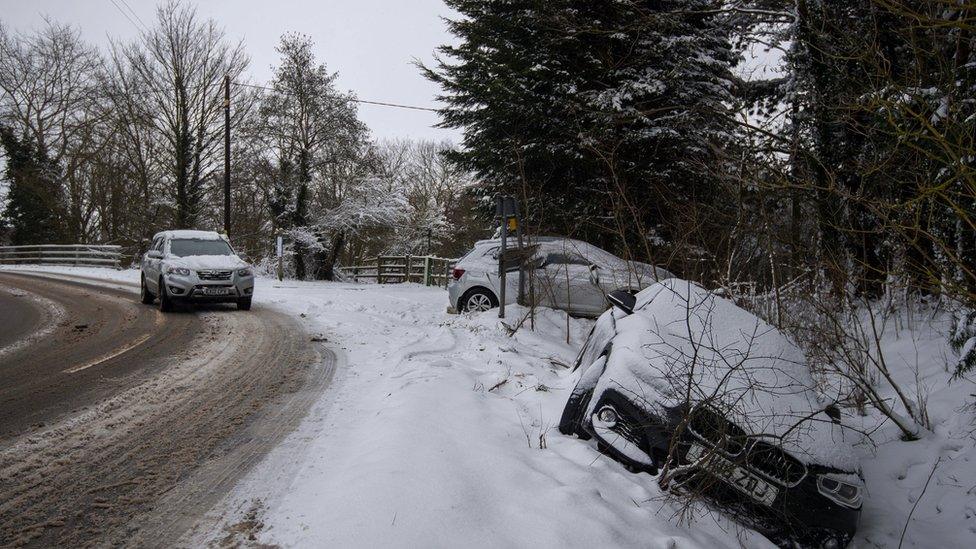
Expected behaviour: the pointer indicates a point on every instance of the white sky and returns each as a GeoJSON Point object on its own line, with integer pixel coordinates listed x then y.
{"type": "Point", "coordinates": [371, 43]}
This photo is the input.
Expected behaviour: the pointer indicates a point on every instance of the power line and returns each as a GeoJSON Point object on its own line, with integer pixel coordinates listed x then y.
{"type": "Point", "coordinates": [136, 15]}
{"type": "Point", "coordinates": [351, 99]}
{"type": "Point", "coordinates": [126, 15]}
{"type": "Point", "coordinates": [216, 86]}
{"type": "Point", "coordinates": [142, 25]}
{"type": "Point", "coordinates": [395, 105]}
{"type": "Point", "coordinates": [146, 91]}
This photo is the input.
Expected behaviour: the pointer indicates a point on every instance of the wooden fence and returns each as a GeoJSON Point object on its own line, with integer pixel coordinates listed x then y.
{"type": "Point", "coordinates": [394, 269]}
{"type": "Point", "coordinates": [62, 254]}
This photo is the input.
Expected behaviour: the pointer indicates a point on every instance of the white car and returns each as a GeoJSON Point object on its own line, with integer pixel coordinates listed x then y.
{"type": "Point", "coordinates": [567, 274]}
{"type": "Point", "coordinates": [194, 267]}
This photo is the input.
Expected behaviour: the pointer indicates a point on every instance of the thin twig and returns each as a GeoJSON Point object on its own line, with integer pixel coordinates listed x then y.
{"type": "Point", "coordinates": [936, 466]}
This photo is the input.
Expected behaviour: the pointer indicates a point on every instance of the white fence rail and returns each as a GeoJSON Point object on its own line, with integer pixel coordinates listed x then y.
{"type": "Point", "coordinates": [62, 254]}
{"type": "Point", "coordinates": [394, 269]}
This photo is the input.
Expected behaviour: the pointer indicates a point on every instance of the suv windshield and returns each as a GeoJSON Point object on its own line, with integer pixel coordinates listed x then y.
{"type": "Point", "coordinates": [187, 247]}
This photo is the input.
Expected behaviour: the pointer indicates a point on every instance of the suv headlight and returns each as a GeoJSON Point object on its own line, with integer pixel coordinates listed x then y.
{"type": "Point", "coordinates": [180, 271]}
{"type": "Point", "coordinates": [841, 489]}
{"type": "Point", "coordinates": [244, 272]}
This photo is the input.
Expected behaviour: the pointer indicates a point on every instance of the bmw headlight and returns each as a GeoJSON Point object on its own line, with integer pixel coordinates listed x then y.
{"type": "Point", "coordinates": [179, 271]}
{"type": "Point", "coordinates": [843, 489]}
{"type": "Point", "coordinates": [245, 272]}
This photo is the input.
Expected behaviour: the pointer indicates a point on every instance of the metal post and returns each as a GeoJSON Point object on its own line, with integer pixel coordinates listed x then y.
{"type": "Point", "coordinates": [501, 266]}
{"type": "Point", "coordinates": [227, 154]}
{"type": "Point", "coordinates": [279, 249]}
{"type": "Point", "coordinates": [521, 249]}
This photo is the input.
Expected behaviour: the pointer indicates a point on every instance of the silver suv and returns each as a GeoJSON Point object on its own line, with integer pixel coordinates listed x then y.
{"type": "Point", "coordinates": [194, 266]}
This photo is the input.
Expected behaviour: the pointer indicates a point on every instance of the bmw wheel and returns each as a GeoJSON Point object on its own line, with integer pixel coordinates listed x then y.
{"type": "Point", "coordinates": [477, 300]}
{"type": "Point", "coordinates": [571, 421]}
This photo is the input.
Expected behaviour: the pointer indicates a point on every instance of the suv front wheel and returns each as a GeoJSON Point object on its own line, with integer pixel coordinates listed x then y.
{"type": "Point", "coordinates": [144, 294]}
{"type": "Point", "coordinates": [165, 303]}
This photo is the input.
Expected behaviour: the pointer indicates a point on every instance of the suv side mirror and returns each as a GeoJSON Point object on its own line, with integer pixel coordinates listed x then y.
{"type": "Point", "coordinates": [623, 300]}
{"type": "Point", "coordinates": [154, 254]}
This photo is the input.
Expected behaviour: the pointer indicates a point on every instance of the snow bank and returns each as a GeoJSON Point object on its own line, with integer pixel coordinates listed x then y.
{"type": "Point", "coordinates": [896, 472]}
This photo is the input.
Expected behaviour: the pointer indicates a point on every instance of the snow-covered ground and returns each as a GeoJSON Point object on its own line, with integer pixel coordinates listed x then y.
{"type": "Point", "coordinates": [896, 472]}
{"type": "Point", "coordinates": [440, 431]}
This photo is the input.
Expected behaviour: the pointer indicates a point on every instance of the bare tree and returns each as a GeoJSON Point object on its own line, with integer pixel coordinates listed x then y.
{"type": "Point", "coordinates": [47, 84]}
{"type": "Point", "coordinates": [434, 189]}
{"type": "Point", "coordinates": [178, 68]}
{"type": "Point", "coordinates": [316, 142]}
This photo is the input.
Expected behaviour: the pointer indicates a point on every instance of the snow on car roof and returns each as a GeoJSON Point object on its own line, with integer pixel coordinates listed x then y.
{"type": "Point", "coordinates": [683, 341]}
{"type": "Point", "coordinates": [189, 234]}
{"type": "Point", "coordinates": [623, 269]}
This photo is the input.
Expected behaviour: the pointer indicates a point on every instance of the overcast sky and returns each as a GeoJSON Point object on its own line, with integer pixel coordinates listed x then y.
{"type": "Point", "coordinates": [371, 43]}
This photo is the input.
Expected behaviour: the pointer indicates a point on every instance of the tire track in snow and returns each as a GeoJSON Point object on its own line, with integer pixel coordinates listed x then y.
{"type": "Point", "coordinates": [51, 312]}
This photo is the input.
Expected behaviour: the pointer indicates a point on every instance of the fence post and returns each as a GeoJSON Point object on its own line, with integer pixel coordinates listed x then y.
{"type": "Point", "coordinates": [379, 269]}
{"type": "Point", "coordinates": [447, 272]}
{"type": "Point", "coordinates": [407, 269]}
{"type": "Point", "coordinates": [427, 270]}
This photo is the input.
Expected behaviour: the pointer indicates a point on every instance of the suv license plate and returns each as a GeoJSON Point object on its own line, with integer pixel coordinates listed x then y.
{"type": "Point", "coordinates": [215, 291]}
{"type": "Point", "coordinates": [733, 475]}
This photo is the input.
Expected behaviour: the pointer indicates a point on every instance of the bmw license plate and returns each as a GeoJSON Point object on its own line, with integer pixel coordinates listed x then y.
{"type": "Point", "coordinates": [215, 291]}
{"type": "Point", "coordinates": [733, 475]}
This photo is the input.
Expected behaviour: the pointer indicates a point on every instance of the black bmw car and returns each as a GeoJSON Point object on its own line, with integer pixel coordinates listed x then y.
{"type": "Point", "coordinates": [683, 384]}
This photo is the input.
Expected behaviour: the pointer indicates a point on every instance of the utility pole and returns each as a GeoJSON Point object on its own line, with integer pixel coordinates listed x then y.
{"type": "Point", "coordinates": [506, 210]}
{"type": "Point", "coordinates": [227, 154]}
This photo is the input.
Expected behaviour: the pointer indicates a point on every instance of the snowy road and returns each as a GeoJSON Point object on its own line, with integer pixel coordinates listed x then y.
{"type": "Point", "coordinates": [122, 425]}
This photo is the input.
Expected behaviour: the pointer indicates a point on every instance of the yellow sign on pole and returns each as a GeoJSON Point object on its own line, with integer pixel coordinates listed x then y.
{"type": "Point", "coordinates": [512, 224]}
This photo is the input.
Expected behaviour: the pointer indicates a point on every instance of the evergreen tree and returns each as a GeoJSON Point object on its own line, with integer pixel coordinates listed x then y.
{"type": "Point", "coordinates": [962, 339]}
{"type": "Point", "coordinates": [606, 118]}
{"type": "Point", "coordinates": [881, 98]}
{"type": "Point", "coordinates": [34, 204]}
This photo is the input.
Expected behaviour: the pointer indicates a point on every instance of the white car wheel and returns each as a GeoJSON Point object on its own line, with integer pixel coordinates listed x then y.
{"type": "Point", "coordinates": [478, 301]}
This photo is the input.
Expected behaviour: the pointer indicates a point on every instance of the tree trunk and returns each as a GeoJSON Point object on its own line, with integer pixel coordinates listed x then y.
{"type": "Point", "coordinates": [332, 257]}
